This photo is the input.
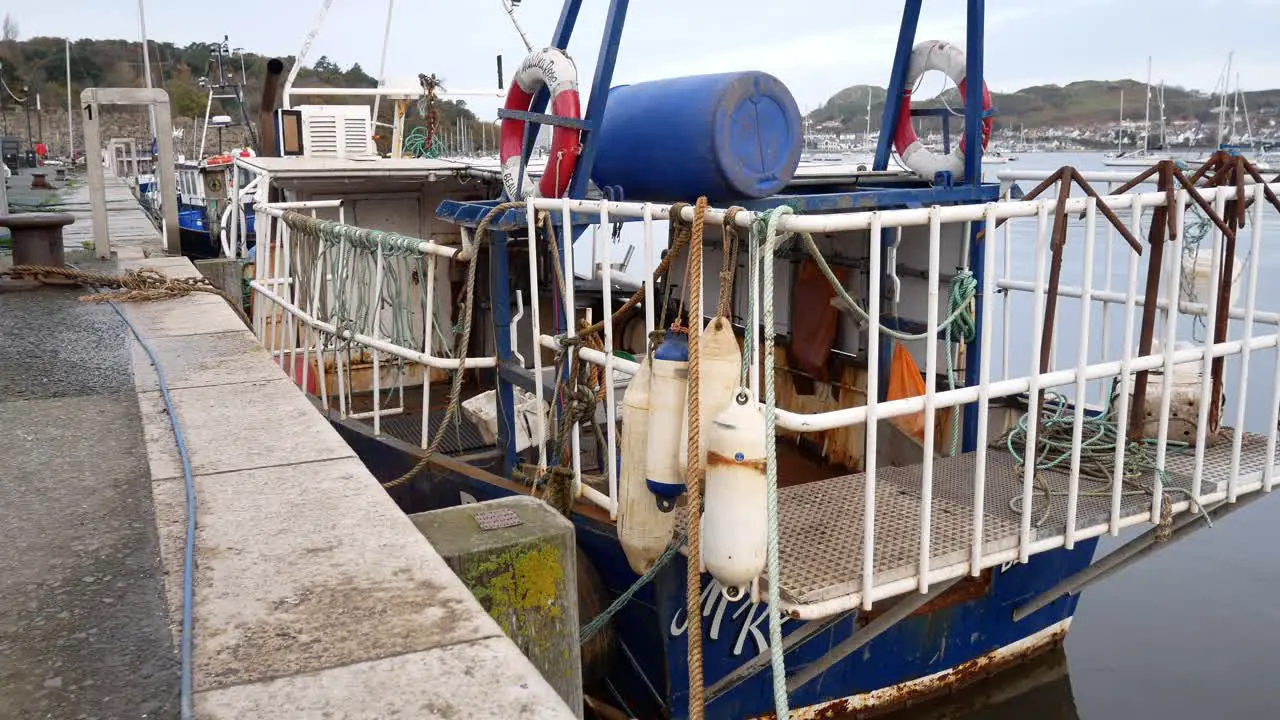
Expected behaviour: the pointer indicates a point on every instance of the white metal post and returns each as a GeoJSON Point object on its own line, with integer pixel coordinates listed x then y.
{"type": "Point", "coordinates": [871, 430]}
{"type": "Point", "coordinates": [1033, 388]}
{"type": "Point", "coordinates": [930, 394]}
{"type": "Point", "coordinates": [1082, 362]}
{"type": "Point", "coordinates": [610, 409]}
{"type": "Point", "coordinates": [536, 321]}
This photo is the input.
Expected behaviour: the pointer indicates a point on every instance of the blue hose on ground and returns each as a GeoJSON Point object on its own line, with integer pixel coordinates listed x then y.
{"type": "Point", "coordinates": [188, 556]}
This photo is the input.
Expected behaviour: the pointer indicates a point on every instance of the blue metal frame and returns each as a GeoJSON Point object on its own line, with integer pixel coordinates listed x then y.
{"type": "Point", "coordinates": [973, 115]}
{"type": "Point", "coordinates": [535, 117]}
{"type": "Point", "coordinates": [499, 279]}
{"type": "Point", "coordinates": [469, 213]}
{"type": "Point", "coordinates": [973, 103]}
{"type": "Point", "coordinates": [897, 82]}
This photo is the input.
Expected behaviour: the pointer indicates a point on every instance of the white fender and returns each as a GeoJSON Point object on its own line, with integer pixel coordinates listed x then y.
{"type": "Point", "coordinates": [644, 530]}
{"type": "Point", "coordinates": [668, 393]}
{"type": "Point", "coordinates": [719, 371]}
{"type": "Point", "coordinates": [735, 519]}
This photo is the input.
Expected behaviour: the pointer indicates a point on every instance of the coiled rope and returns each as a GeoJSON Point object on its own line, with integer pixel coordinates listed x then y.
{"type": "Point", "coordinates": [421, 143]}
{"type": "Point", "coordinates": [1099, 439]}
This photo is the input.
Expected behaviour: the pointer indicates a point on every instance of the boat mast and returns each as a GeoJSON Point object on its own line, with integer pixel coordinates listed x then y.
{"type": "Point", "coordinates": [382, 65]}
{"type": "Point", "coordinates": [867, 137]}
{"type": "Point", "coordinates": [71, 130]}
{"type": "Point", "coordinates": [146, 65]}
{"type": "Point", "coordinates": [1164, 143]}
{"type": "Point", "coordinates": [1120, 132]}
{"type": "Point", "coordinates": [1244, 105]}
{"type": "Point", "coordinates": [1222, 105]}
{"type": "Point", "coordinates": [1146, 124]}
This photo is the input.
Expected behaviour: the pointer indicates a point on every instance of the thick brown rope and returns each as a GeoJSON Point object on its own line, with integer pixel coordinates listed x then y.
{"type": "Point", "coordinates": [729, 261]}
{"type": "Point", "coordinates": [144, 285]}
{"type": "Point", "coordinates": [693, 595]}
{"type": "Point", "coordinates": [455, 390]}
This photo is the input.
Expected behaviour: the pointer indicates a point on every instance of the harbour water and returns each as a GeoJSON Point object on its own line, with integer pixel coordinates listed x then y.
{"type": "Point", "coordinates": [1185, 634]}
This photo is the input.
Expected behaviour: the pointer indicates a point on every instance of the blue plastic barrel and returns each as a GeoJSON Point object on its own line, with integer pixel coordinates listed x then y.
{"type": "Point", "coordinates": [729, 136]}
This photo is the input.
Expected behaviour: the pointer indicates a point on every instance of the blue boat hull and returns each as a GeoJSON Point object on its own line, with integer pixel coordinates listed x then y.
{"type": "Point", "coordinates": [969, 631]}
{"type": "Point", "coordinates": [194, 235]}
{"type": "Point", "coordinates": [945, 637]}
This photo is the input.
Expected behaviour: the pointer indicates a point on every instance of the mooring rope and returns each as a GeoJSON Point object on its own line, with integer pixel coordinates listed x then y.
{"type": "Point", "coordinates": [693, 593]}
{"type": "Point", "coordinates": [599, 621]}
{"type": "Point", "coordinates": [776, 658]}
{"type": "Point", "coordinates": [144, 285]}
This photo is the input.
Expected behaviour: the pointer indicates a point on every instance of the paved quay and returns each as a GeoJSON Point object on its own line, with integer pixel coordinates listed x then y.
{"type": "Point", "coordinates": [315, 597]}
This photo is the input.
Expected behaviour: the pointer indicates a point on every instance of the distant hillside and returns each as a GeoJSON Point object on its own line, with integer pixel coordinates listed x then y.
{"type": "Point", "coordinates": [38, 66]}
{"type": "Point", "coordinates": [1077, 104]}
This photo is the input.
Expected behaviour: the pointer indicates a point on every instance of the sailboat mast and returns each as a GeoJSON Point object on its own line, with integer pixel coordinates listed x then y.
{"type": "Point", "coordinates": [1146, 124]}
{"type": "Point", "coordinates": [867, 137]}
{"type": "Point", "coordinates": [146, 64]}
{"type": "Point", "coordinates": [71, 130]}
{"type": "Point", "coordinates": [1222, 105]}
{"type": "Point", "coordinates": [1244, 105]}
{"type": "Point", "coordinates": [1164, 143]}
{"type": "Point", "coordinates": [1120, 132]}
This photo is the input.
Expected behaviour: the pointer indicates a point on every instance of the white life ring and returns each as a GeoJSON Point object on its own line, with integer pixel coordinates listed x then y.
{"type": "Point", "coordinates": [553, 69]}
{"type": "Point", "coordinates": [949, 58]}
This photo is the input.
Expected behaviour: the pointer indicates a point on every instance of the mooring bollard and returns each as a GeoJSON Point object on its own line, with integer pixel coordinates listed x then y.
{"type": "Point", "coordinates": [37, 237]}
{"type": "Point", "coordinates": [517, 556]}
{"type": "Point", "coordinates": [39, 181]}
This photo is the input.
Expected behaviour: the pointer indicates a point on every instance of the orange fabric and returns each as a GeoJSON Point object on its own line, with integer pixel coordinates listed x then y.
{"type": "Point", "coordinates": [905, 381]}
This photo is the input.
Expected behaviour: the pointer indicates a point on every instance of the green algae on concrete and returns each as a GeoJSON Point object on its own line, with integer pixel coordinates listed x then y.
{"type": "Point", "coordinates": [524, 577]}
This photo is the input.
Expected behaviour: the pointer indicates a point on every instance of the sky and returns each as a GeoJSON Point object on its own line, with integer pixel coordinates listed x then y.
{"type": "Point", "coordinates": [816, 47]}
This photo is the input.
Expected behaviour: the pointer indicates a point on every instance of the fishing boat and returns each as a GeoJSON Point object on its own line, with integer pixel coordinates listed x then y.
{"type": "Point", "coordinates": [788, 427]}
{"type": "Point", "coordinates": [205, 185]}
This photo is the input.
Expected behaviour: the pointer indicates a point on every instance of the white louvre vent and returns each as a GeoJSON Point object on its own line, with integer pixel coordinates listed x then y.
{"type": "Point", "coordinates": [336, 131]}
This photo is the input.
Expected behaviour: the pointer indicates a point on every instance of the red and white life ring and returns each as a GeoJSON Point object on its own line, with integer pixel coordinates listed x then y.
{"type": "Point", "coordinates": [550, 68]}
{"type": "Point", "coordinates": [949, 58]}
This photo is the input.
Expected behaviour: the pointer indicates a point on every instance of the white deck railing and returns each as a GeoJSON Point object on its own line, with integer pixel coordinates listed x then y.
{"type": "Point", "coordinates": [304, 293]}
{"type": "Point", "coordinates": [352, 309]}
{"type": "Point", "coordinates": [1092, 362]}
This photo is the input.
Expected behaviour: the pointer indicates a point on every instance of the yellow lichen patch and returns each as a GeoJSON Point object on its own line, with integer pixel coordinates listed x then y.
{"type": "Point", "coordinates": [518, 584]}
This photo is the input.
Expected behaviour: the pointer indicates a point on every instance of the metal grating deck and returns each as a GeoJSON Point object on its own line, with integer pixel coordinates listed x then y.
{"type": "Point", "coordinates": [462, 436]}
{"type": "Point", "coordinates": [821, 521]}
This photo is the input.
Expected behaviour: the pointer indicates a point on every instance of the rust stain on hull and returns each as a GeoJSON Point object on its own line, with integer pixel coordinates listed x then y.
{"type": "Point", "coordinates": [892, 700]}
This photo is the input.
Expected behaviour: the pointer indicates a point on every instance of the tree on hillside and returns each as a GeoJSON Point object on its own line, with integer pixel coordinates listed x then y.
{"type": "Point", "coordinates": [10, 29]}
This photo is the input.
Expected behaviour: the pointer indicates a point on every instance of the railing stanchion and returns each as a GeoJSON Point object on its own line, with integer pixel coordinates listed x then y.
{"type": "Point", "coordinates": [610, 408]}
{"type": "Point", "coordinates": [1126, 375]}
{"type": "Point", "coordinates": [1082, 362]}
{"type": "Point", "coordinates": [930, 395]}
{"type": "Point", "coordinates": [1246, 355]}
{"type": "Point", "coordinates": [871, 430]}
{"type": "Point", "coordinates": [984, 406]}
{"type": "Point", "coordinates": [1170, 318]}
{"type": "Point", "coordinates": [1033, 388]}
{"type": "Point", "coordinates": [1211, 324]}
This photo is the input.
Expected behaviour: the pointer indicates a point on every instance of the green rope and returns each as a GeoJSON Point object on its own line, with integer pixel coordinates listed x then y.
{"type": "Point", "coordinates": [771, 219]}
{"type": "Point", "coordinates": [1098, 441]}
{"type": "Point", "coordinates": [599, 621]}
{"type": "Point", "coordinates": [963, 288]}
{"type": "Point", "coordinates": [415, 144]}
